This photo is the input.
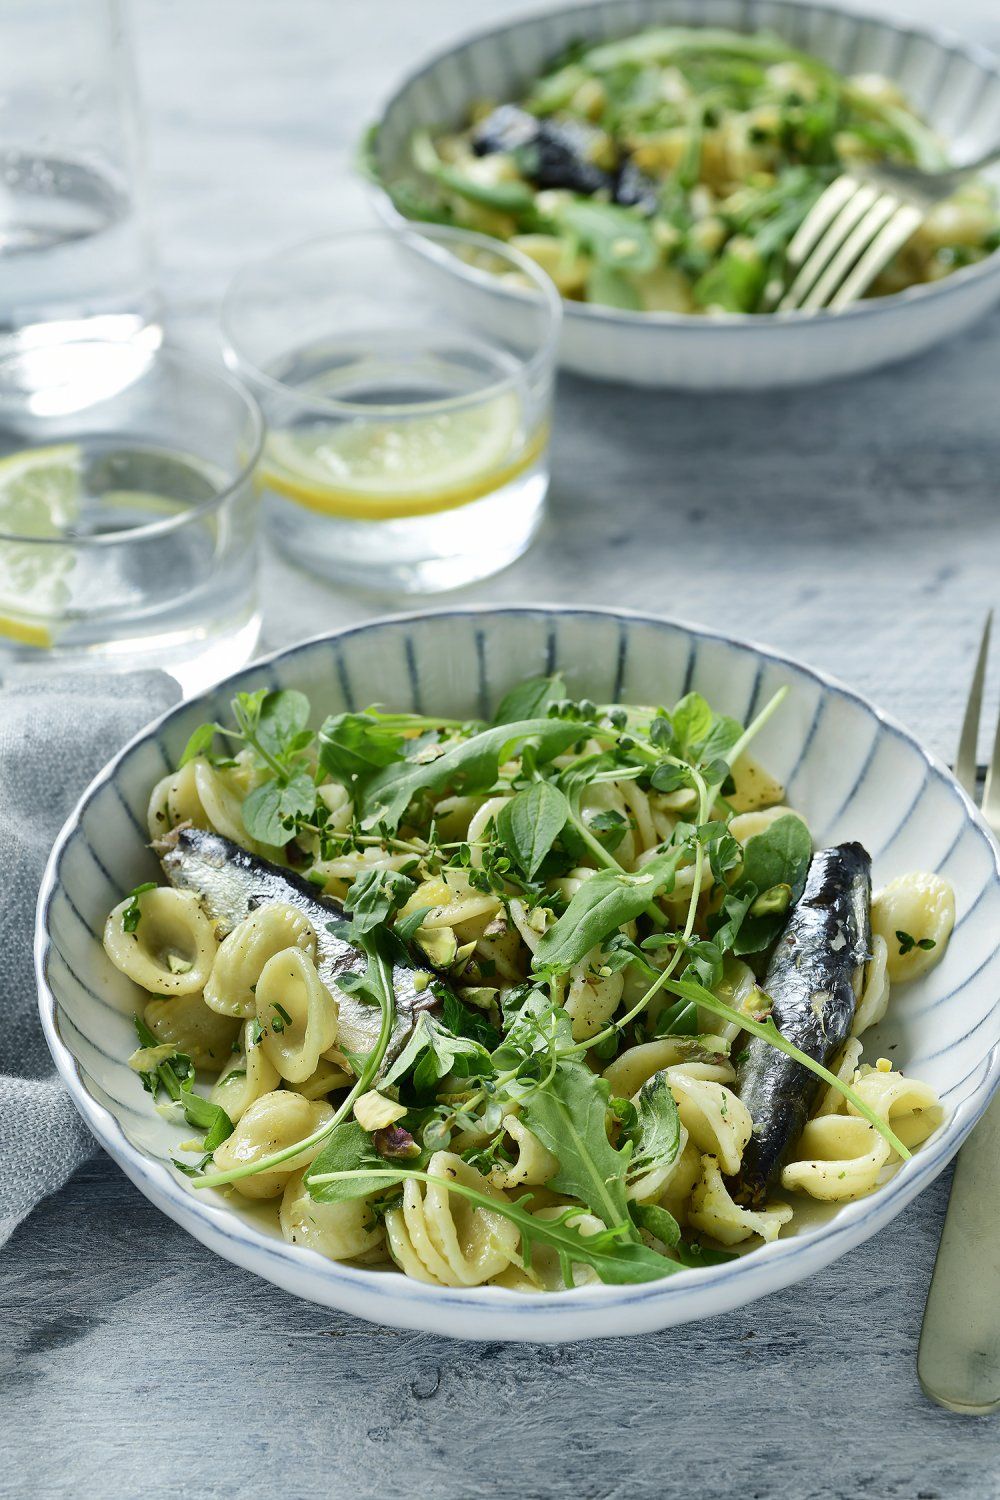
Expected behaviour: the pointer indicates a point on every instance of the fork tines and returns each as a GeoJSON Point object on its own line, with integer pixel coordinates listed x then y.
{"type": "Point", "coordinates": [849, 235]}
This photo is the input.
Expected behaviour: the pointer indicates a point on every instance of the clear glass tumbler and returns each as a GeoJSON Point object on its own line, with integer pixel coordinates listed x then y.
{"type": "Point", "coordinates": [128, 525]}
{"type": "Point", "coordinates": [74, 258]}
{"type": "Point", "coordinates": [406, 376]}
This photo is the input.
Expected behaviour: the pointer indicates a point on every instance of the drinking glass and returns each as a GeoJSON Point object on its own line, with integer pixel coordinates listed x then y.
{"type": "Point", "coordinates": [74, 261]}
{"type": "Point", "coordinates": [127, 525]}
{"type": "Point", "coordinates": [406, 376]}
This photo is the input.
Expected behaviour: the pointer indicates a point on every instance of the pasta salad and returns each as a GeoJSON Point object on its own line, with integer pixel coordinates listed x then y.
{"type": "Point", "coordinates": [561, 998]}
{"type": "Point", "coordinates": [669, 170]}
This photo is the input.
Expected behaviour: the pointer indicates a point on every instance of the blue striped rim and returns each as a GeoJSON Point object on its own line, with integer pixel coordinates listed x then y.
{"type": "Point", "coordinates": [904, 820]}
{"type": "Point", "coordinates": [412, 673]}
{"type": "Point", "coordinates": [163, 1187]}
{"type": "Point", "coordinates": [482, 689]}
{"type": "Point", "coordinates": [621, 661]}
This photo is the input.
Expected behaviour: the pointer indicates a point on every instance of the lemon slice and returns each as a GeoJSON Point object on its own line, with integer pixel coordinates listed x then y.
{"type": "Point", "coordinates": [39, 498]}
{"type": "Point", "coordinates": [411, 467]}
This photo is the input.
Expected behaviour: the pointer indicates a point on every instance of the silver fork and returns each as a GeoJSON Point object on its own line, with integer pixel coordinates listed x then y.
{"type": "Point", "coordinates": [857, 225]}
{"type": "Point", "coordinates": [959, 1357]}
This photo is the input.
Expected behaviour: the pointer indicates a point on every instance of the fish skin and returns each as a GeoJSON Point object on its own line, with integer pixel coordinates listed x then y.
{"type": "Point", "coordinates": [555, 151]}
{"type": "Point", "coordinates": [231, 883]}
{"type": "Point", "coordinates": [814, 981]}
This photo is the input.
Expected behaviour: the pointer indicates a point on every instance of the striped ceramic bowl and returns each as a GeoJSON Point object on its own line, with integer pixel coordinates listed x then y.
{"type": "Point", "coordinates": [852, 771]}
{"type": "Point", "coordinates": [954, 86]}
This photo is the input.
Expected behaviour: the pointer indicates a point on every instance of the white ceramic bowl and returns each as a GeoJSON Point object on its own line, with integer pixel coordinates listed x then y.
{"type": "Point", "coordinates": [854, 774]}
{"type": "Point", "coordinates": [954, 86]}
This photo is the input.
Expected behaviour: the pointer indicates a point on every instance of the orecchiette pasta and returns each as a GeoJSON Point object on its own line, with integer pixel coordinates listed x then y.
{"type": "Point", "coordinates": [753, 786]}
{"type": "Point", "coordinates": [241, 958]}
{"type": "Point", "coordinates": [675, 1196]}
{"type": "Point", "coordinates": [186, 1021]}
{"type": "Point", "coordinates": [172, 947]}
{"type": "Point", "coordinates": [921, 906]}
{"type": "Point", "coordinates": [454, 1242]}
{"type": "Point", "coordinates": [248, 1075]}
{"type": "Point", "coordinates": [715, 1118]}
{"type": "Point", "coordinates": [340, 1231]}
{"type": "Point", "coordinates": [912, 1108]}
{"type": "Point", "coordinates": [714, 1212]}
{"type": "Point", "coordinates": [534, 1164]}
{"type": "Point", "coordinates": [593, 997]}
{"type": "Point", "coordinates": [875, 996]}
{"type": "Point", "coordinates": [839, 1158]}
{"type": "Point", "coordinates": [271, 1124]}
{"type": "Point", "coordinates": [297, 1013]}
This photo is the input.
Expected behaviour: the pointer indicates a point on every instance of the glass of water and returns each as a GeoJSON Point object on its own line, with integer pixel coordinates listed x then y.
{"type": "Point", "coordinates": [74, 260]}
{"type": "Point", "coordinates": [127, 524]}
{"type": "Point", "coordinates": [406, 376]}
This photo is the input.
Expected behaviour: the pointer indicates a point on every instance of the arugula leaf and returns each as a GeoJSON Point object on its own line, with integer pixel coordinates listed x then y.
{"type": "Point", "coordinates": [471, 764]}
{"type": "Point", "coordinates": [269, 806]}
{"type": "Point", "coordinates": [614, 235]}
{"type": "Point", "coordinates": [432, 1052]}
{"type": "Point", "coordinates": [618, 1261]}
{"type": "Point", "coordinates": [656, 1137]}
{"type": "Point", "coordinates": [372, 899]}
{"type": "Point", "coordinates": [357, 745]}
{"type": "Point", "coordinates": [464, 1020]}
{"type": "Point", "coordinates": [568, 1115]}
{"type": "Point", "coordinates": [176, 1076]}
{"type": "Point", "coordinates": [132, 915]}
{"type": "Point", "coordinates": [350, 1149]}
{"type": "Point", "coordinates": [603, 903]}
{"type": "Point", "coordinates": [530, 822]}
{"type": "Point", "coordinates": [529, 699]}
{"type": "Point", "coordinates": [658, 1221]}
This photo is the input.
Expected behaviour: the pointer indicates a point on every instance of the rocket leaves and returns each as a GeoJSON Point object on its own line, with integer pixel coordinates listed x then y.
{"type": "Point", "coordinates": [470, 765]}
{"type": "Point", "coordinates": [602, 905]}
{"type": "Point", "coordinates": [568, 1116]}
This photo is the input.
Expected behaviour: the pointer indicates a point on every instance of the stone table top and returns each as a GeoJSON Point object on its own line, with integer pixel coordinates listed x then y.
{"type": "Point", "coordinates": [856, 526]}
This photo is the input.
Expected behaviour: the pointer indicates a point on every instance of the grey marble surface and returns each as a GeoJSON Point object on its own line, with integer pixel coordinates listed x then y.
{"type": "Point", "coordinates": [856, 526]}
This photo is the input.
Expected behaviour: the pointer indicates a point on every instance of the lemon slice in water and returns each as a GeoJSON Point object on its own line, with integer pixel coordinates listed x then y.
{"type": "Point", "coordinates": [39, 498]}
{"type": "Point", "coordinates": [381, 471]}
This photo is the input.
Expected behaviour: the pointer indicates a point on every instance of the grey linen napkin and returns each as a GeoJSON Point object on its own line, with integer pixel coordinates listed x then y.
{"type": "Point", "coordinates": [55, 734]}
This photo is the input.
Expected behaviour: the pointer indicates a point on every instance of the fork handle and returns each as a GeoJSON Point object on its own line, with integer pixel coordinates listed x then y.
{"type": "Point", "coordinates": [959, 1358]}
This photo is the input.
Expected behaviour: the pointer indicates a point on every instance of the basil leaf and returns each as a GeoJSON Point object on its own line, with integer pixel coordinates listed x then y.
{"type": "Point", "coordinates": [283, 716]}
{"type": "Point", "coordinates": [568, 1116]}
{"type": "Point", "coordinates": [268, 807]}
{"type": "Point", "coordinates": [779, 856]}
{"type": "Point", "coordinates": [656, 1137]}
{"type": "Point", "coordinates": [199, 744]}
{"type": "Point", "coordinates": [692, 721]}
{"type": "Point", "coordinates": [530, 823]}
{"type": "Point", "coordinates": [472, 764]}
{"type": "Point", "coordinates": [529, 700]}
{"type": "Point", "coordinates": [603, 903]}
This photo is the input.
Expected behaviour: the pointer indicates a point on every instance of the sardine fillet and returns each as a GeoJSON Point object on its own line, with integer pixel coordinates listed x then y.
{"type": "Point", "coordinates": [814, 980]}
